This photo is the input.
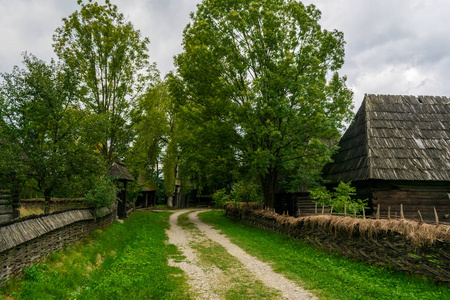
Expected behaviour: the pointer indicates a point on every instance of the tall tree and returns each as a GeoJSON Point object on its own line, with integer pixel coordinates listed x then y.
{"type": "Point", "coordinates": [43, 127]}
{"type": "Point", "coordinates": [110, 57]}
{"type": "Point", "coordinates": [152, 122]}
{"type": "Point", "coordinates": [265, 73]}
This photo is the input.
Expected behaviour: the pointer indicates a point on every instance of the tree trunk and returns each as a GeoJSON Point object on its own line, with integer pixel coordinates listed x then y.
{"type": "Point", "coordinates": [170, 201]}
{"type": "Point", "coordinates": [47, 197]}
{"type": "Point", "coordinates": [122, 205]}
{"type": "Point", "coordinates": [268, 182]}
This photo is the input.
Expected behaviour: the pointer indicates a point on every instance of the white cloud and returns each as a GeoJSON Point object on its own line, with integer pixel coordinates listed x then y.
{"type": "Point", "coordinates": [395, 47]}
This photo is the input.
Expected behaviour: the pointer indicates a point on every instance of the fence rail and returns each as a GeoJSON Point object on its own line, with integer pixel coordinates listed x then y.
{"type": "Point", "coordinates": [323, 210]}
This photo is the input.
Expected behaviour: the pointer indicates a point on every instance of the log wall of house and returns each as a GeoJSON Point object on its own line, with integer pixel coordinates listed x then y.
{"type": "Point", "coordinates": [415, 196]}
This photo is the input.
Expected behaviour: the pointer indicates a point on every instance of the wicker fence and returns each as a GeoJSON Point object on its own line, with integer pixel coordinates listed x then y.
{"type": "Point", "coordinates": [25, 240]}
{"type": "Point", "coordinates": [403, 245]}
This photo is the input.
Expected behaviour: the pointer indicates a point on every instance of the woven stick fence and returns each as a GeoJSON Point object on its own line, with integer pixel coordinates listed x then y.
{"type": "Point", "coordinates": [404, 245]}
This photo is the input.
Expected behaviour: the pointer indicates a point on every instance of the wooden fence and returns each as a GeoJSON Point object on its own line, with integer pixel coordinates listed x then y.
{"type": "Point", "coordinates": [26, 240]}
{"type": "Point", "coordinates": [403, 245]}
{"type": "Point", "coordinates": [9, 203]}
{"type": "Point", "coordinates": [389, 214]}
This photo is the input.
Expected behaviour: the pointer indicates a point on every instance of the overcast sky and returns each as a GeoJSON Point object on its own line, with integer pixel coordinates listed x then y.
{"type": "Point", "coordinates": [393, 46]}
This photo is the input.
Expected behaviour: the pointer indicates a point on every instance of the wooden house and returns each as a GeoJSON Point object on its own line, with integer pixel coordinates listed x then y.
{"type": "Point", "coordinates": [397, 151]}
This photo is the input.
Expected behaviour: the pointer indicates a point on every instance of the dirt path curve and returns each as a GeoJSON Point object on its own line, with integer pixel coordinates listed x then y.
{"type": "Point", "coordinates": [205, 282]}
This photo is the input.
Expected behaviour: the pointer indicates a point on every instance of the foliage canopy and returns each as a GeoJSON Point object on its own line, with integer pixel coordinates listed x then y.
{"type": "Point", "coordinates": [259, 81]}
{"type": "Point", "coordinates": [110, 57]}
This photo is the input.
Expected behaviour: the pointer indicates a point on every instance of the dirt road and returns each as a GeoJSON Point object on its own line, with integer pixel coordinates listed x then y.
{"type": "Point", "coordinates": [218, 269]}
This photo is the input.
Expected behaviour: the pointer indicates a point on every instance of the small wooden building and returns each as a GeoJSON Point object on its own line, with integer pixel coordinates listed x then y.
{"type": "Point", "coordinates": [397, 151]}
{"type": "Point", "coordinates": [119, 173]}
{"type": "Point", "coordinates": [147, 196]}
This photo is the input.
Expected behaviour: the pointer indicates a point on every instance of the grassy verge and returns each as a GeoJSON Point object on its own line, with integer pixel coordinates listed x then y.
{"type": "Point", "coordinates": [329, 276]}
{"type": "Point", "coordinates": [127, 261]}
{"type": "Point", "coordinates": [232, 280]}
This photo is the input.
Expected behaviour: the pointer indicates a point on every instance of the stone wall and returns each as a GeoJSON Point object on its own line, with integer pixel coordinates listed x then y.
{"type": "Point", "coordinates": [24, 241]}
{"type": "Point", "coordinates": [403, 245]}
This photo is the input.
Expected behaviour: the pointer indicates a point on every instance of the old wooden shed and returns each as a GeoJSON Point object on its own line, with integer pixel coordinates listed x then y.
{"type": "Point", "coordinates": [147, 196]}
{"type": "Point", "coordinates": [397, 151]}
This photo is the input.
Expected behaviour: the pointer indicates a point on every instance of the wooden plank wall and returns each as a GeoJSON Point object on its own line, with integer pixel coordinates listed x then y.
{"type": "Point", "coordinates": [414, 197]}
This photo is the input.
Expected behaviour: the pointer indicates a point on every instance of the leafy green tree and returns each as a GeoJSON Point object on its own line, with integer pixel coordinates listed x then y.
{"type": "Point", "coordinates": [110, 57]}
{"type": "Point", "coordinates": [259, 79]}
{"type": "Point", "coordinates": [43, 127]}
{"type": "Point", "coordinates": [152, 121]}
{"type": "Point", "coordinates": [206, 155]}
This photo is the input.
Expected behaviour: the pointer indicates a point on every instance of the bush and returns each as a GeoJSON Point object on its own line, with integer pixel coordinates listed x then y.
{"type": "Point", "coordinates": [242, 191]}
{"type": "Point", "coordinates": [340, 199]}
{"type": "Point", "coordinates": [104, 193]}
{"type": "Point", "coordinates": [220, 198]}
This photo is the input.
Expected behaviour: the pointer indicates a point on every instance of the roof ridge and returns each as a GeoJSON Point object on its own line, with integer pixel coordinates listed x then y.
{"type": "Point", "coordinates": [366, 129]}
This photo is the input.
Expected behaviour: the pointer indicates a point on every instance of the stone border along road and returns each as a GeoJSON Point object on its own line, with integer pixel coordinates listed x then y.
{"type": "Point", "coordinates": [204, 281]}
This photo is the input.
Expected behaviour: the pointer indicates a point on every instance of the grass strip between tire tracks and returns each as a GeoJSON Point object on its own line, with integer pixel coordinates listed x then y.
{"type": "Point", "coordinates": [232, 281]}
{"type": "Point", "coordinates": [327, 275]}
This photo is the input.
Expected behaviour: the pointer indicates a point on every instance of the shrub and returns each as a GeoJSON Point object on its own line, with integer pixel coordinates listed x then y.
{"type": "Point", "coordinates": [104, 193]}
{"type": "Point", "coordinates": [341, 198]}
{"type": "Point", "coordinates": [220, 198]}
{"type": "Point", "coordinates": [241, 191]}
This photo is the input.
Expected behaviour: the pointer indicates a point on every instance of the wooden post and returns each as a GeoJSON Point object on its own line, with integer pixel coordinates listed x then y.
{"type": "Point", "coordinates": [315, 208]}
{"type": "Point", "coordinates": [436, 215]}
{"type": "Point", "coordinates": [323, 209]}
{"type": "Point", "coordinates": [378, 212]}
{"type": "Point", "coordinates": [389, 213]}
{"type": "Point", "coordinates": [364, 214]}
{"type": "Point", "coordinates": [420, 216]}
{"type": "Point", "coordinates": [345, 210]}
{"type": "Point", "coordinates": [402, 216]}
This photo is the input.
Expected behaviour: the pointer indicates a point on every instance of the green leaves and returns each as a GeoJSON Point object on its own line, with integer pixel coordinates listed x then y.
{"type": "Point", "coordinates": [111, 61]}
{"type": "Point", "coordinates": [341, 199]}
{"type": "Point", "coordinates": [43, 127]}
{"type": "Point", "coordinates": [263, 70]}
{"type": "Point", "coordinates": [103, 193]}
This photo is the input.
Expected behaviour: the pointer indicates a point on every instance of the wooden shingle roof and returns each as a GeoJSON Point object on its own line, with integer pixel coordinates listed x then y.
{"type": "Point", "coordinates": [395, 138]}
{"type": "Point", "coordinates": [120, 172]}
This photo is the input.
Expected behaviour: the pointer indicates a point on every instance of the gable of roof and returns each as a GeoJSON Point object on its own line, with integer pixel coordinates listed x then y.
{"type": "Point", "coordinates": [147, 185]}
{"type": "Point", "coordinates": [120, 172]}
{"type": "Point", "coordinates": [395, 138]}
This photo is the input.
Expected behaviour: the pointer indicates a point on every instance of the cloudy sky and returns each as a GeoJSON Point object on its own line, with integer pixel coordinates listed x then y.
{"type": "Point", "coordinates": [393, 46]}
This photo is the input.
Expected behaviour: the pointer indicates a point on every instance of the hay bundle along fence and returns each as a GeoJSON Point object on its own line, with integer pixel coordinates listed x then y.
{"type": "Point", "coordinates": [403, 245]}
{"type": "Point", "coordinates": [24, 241]}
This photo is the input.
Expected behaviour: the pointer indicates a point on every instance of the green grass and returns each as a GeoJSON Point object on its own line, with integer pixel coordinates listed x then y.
{"type": "Point", "coordinates": [126, 261]}
{"type": "Point", "coordinates": [327, 275]}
